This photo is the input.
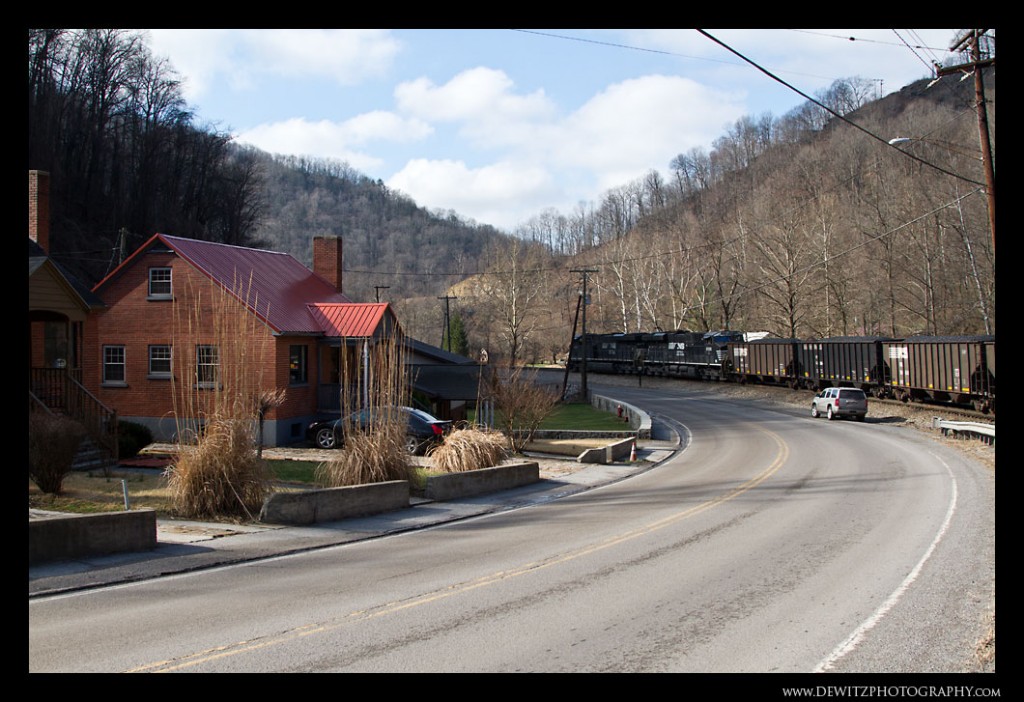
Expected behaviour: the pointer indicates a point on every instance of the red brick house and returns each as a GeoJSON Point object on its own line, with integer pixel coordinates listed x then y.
{"type": "Point", "coordinates": [300, 326]}
{"type": "Point", "coordinates": [59, 307]}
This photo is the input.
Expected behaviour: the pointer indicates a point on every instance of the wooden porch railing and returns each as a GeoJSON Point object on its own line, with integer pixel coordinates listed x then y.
{"type": "Point", "coordinates": [59, 390]}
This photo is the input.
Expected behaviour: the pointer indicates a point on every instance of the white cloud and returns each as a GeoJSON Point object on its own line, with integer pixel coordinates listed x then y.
{"type": "Point", "coordinates": [475, 94]}
{"type": "Point", "coordinates": [615, 137]}
{"type": "Point", "coordinates": [495, 194]}
{"type": "Point", "coordinates": [335, 139]}
{"type": "Point", "coordinates": [640, 124]}
{"type": "Point", "coordinates": [199, 55]}
{"type": "Point", "coordinates": [245, 58]}
{"type": "Point", "coordinates": [347, 56]}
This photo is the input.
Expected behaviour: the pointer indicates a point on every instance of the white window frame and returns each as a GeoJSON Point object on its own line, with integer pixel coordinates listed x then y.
{"type": "Point", "coordinates": [207, 370]}
{"type": "Point", "coordinates": [160, 279]}
{"type": "Point", "coordinates": [156, 356]}
{"type": "Point", "coordinates": [115, 356]}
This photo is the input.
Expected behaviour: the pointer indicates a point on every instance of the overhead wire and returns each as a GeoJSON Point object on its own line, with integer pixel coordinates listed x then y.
{"type": "Point", "coordinates": [913, 47]}
{"type": "Point", "coordinates": [838, 115]}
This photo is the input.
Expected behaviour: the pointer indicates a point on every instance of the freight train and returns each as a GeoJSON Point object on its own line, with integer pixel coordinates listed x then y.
{"type": "Point", "coordinates": [958, 370]}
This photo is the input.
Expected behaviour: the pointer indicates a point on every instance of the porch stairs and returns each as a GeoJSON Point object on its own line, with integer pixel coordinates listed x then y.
{"type": "Point", "coordinates": [56, 391]}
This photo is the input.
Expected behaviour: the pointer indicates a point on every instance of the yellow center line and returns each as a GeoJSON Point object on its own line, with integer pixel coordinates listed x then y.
{"type": "Point", "coordinates": [227, 650]}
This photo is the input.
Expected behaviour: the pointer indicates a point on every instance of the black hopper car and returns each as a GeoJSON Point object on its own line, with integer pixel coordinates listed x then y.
{"type": "Point", "coordinates": [957, 370]}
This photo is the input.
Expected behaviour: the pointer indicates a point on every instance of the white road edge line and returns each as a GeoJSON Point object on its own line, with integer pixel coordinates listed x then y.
{"type": "Point", "coordinates": [861, 631]}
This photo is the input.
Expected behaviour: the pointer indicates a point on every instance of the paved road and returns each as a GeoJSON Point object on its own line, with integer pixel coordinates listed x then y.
{"type": "Point", "coordinates": [774, 543]}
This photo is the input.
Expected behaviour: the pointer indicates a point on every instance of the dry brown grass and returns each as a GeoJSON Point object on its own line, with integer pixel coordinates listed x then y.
{"type": "Point", "coordinates": [470, 449]}
{"type": "Point", "coordinates": [221, 475]}
{"type": "Point", "coordinates": [218, 404]}
{"type": "Point", "coordinates": [378, 386]}
{"type": "Point", "coordinates": [89, 492]}
{"type": "Point", "coordinates": [372, 457]}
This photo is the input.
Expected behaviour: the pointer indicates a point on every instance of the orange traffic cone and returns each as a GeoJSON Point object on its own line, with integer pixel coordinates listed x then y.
{"type": "Point", "coordinates": [632, 454]}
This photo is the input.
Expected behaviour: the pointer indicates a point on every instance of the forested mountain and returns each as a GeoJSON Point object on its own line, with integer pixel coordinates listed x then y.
{"type": "Point", "coordinates": [125, 156]}
{"type": "Point", "coordinates": [389, 241]}
{"type": "Point", "coordinates": [808, 224]}
{"type": "Point", "coordinates": [128, 158]}
{"type": "Point", "coordinates": [805, 226]}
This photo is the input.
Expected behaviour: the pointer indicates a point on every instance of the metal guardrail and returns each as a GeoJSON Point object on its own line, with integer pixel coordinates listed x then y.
{"type": "Point", "coordinates": [987, 432]}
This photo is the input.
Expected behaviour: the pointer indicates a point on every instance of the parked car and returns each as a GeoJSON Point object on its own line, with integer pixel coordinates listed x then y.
{"type": "Point", "coordinates": [422, 430]}
{"type": "Point", "coordinates": [840, 402]}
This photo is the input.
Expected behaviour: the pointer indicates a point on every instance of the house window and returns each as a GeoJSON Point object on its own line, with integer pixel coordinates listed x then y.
{"type": "Point", "coordinates": [55, 344]}
{"type": "Point", "coordinates": [160, 361]}
{"type": "Point", "coordinates": [159, 283]}
{"type": "Point", "coordinates": [206, 366]}
{"type": "Point", "coordinates": [113, 365]}
{"type": "Point", "coordinates": [297, 373]}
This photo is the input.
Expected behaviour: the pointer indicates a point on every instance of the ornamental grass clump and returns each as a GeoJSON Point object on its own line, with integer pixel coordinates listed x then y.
{"type": "Point", "coordinates": [374, 456]}
{"type": "Point", "coordinates": [470, 449]}
{"type": "Point", "coordinates": [376, 389]}
{"type": "Point", "coordinates": [221, 475]}
{"type": "Point", "coordinates": [221, 393]}
{"type": "Point", "coordinates": [53, 441]}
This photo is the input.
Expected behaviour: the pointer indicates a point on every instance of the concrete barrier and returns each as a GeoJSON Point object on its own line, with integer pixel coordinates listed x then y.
{"type": "Point", "coordinates": [66, 536]}
{"type": "Point", "coordinates": [452, 486]}
{"type": "Point", "coordinates": [616, 451]}
{"type": "Point", "coordinates": [333, 504]}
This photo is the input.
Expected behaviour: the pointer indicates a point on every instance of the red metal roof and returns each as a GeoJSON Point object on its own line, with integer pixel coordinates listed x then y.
{"type": "Point", "coordinates": [349, 320]}
{"type": "Point", "coordinates": [289, 297]}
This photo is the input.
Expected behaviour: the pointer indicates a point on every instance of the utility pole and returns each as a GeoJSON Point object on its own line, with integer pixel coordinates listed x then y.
{"type": "Point", "coordinates": [378, 288]}
{"type": "Point", "coordinates": [970, 39]}
{"type": "Point", "coordinates": [447, 332]}
{"type": "Point", "coordinates": [572, 338]}
{"type": "Point", "coordinates": [586, 342]}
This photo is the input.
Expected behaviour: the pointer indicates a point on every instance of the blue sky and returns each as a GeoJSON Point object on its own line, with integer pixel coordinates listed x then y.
{"type": "Point", "coordinates": [501, 124]}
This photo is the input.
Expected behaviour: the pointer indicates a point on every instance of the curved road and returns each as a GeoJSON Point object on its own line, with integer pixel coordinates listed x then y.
{"type": "Point", "coordinates": [773, 543]}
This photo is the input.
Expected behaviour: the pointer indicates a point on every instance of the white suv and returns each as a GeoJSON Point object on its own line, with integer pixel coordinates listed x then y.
{"type": "Point", "coordinates": [840, 402]}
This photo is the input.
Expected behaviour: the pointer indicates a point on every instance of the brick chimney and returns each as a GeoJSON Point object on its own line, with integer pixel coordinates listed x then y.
{"type": "Point", "coordinates": [327, 259]}
{"type": "Point", "coordinates": [39, 208]}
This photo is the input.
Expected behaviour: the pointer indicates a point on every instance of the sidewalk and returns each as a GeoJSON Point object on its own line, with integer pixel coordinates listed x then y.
{"type": "Point", "coordinates": [184, 546]}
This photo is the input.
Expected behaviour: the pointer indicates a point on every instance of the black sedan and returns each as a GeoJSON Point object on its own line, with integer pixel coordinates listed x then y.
{"type": "Point", "coordinates": [422, 431]}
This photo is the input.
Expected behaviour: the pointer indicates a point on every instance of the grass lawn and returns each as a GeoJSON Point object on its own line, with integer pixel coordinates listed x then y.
{"type": "Point", "coordinates": [583, 417]}
{"type": "Point", "coordinates": [580, 416]}
{"type": "Point", "coordinates": [90, 492]}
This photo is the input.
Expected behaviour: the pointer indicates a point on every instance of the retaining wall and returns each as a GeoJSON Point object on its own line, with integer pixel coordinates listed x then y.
{"type": "Point", "coordinates": [333, 504]}
{"type": "Point", "coordinates": [477, 482]}
{"type": "Point", "coordinates": [67, 536]}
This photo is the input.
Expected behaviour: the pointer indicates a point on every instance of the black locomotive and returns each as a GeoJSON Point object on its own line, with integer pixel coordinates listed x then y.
{"type": "Point", "coordinates": [958, 370]}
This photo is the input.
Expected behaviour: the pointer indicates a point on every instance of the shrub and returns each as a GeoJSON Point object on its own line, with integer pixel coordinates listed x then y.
{"type": "Point", "coordinates": [221, 475]}
{"type": "Point", "coordinates": [470, 449]}
{"type": "Point", "coordinates": [375, 456]}
{"type": "Point", "coordinates": [53, 441]}
{"type": "Point", "coordinates": [521, 402]}
{"type": "Point", "coordinates": [132, 438]}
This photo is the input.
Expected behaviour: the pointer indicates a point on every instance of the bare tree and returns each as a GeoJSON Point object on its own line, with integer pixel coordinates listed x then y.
{"type": "Point", "coordinates": [510, 291]}
{"type": "Point", "coordinates": [521, 402]}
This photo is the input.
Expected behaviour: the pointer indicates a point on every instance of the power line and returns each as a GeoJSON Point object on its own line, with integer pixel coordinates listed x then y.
{"type": "Point", "coordinates": [663, 52]}
{"type": "Point", "coordinates": [837, 114]}
{"type": "Point", "coordinates": [865, 40]}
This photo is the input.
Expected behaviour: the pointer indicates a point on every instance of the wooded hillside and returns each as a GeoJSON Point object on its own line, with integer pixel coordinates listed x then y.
{"type": "Point", "coordinates": [802, 226]}
{"type": "Point", "coordinates": [805, 225]}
